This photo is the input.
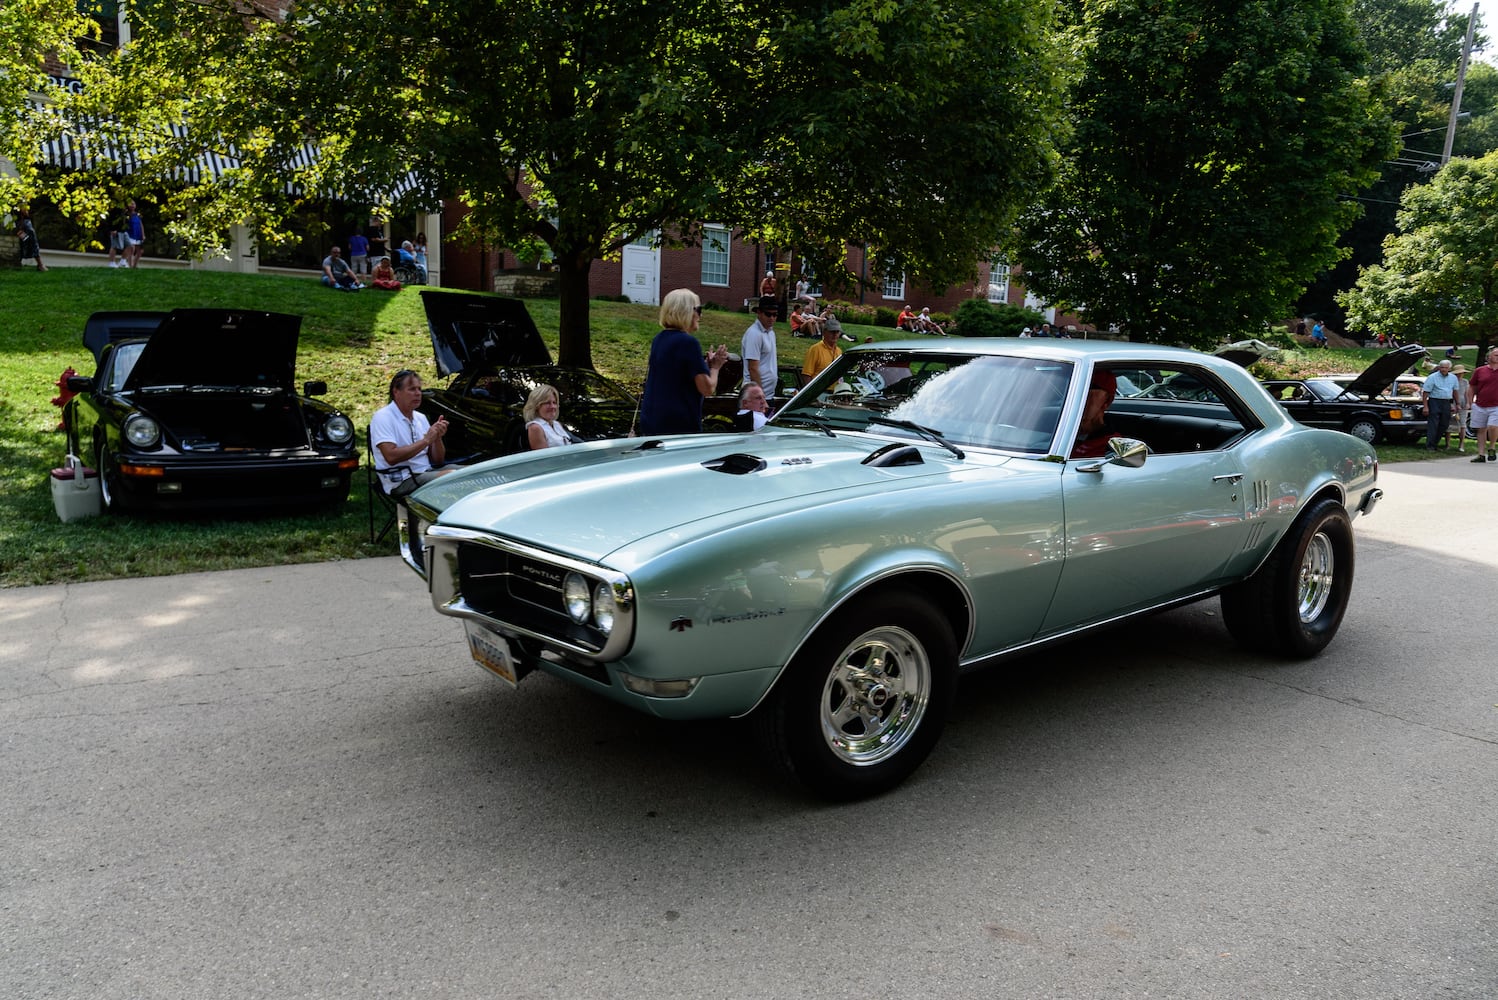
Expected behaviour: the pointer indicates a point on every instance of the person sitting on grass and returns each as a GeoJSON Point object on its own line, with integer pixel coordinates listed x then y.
{"type": "Point", "coordinates": [925, 324]}
{"type": "Point", "coordinates": [384, 276]}
{"type": "Point", "coordinates": [337, 274]}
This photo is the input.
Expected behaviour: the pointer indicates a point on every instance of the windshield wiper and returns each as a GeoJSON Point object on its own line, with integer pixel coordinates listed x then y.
{"type": "Point", "coordinates": [816, 422]}
{"type": "Point", "coordinates": [925, 432]}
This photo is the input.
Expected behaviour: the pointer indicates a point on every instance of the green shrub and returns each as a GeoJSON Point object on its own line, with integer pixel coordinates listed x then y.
{"type": "Point", "coordinates": [981, 318]}
{"type": "Point", "coordinates": [850, 312]}
{"type": "Point", "coordinates": [885, 316]}
{"type": "Point", "coordinates": [612, 298]}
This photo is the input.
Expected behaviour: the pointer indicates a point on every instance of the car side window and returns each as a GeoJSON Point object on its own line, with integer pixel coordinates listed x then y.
{"type": "Point", "coordinates": [1180, 410]}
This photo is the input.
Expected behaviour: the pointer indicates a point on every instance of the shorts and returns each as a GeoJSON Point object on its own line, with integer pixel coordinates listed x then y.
{"type": "Point", "coordinates": [1484, 416]}
{"type": "Point", "coordinates": [119, 241]}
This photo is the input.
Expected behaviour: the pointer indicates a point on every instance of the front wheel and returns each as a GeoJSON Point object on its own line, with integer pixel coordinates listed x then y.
{"type": "Point", "coordinates": [863, 703]}
{"type": "Point", "coordinates": [1364, 429]}
{"type": "Point", "coordinates": [1293, 605]}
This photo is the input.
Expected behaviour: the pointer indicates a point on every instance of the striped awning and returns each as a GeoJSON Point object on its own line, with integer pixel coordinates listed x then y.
{"type": "Point", "coordinates": [93, 144]}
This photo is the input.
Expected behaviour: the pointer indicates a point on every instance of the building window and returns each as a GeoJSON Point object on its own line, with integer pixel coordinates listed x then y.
{"type": "Point", "coordinates": [715, 256]}
{"type": "Point", "coordinates": [894, 282]}
{"type": "Point", "coordinates": [998, 280]}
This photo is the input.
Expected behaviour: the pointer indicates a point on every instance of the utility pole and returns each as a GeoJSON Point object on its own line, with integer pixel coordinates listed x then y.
{"type": "Point", "coordinates": [1456, 98]}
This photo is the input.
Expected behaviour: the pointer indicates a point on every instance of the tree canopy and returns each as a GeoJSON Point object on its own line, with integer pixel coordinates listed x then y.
{"type": "Point", "coordinates": [1209, 146]}
{"type": "Point", "coordinates": [1439, 278]}
{"type": "Point", "coordinates": [917, 127]}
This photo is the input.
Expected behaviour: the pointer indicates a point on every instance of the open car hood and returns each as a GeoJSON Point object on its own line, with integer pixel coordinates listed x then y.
{"type": "Point", "coordinates": [1245, 352]}
{"type": "Point", "coordinates": [1378, 376]}
{"type": "Point", "coordinates": [105, 328]}
{"type": "Point", "coordinates": [481, 331]}
{"type": "Point", "coordinates": [219, 347]}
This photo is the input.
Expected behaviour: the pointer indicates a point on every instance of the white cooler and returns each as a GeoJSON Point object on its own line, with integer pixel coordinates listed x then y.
{"type": "Point", "coordinates": [75, 491]}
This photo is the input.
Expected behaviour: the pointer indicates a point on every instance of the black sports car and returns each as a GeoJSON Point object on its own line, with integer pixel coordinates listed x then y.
{"type": "Point", "coordinates": [198, 408]}
{"type": "Point", "coordinates": [1365, 406]}
{"type": "Point", "coordinates": [491, 347]}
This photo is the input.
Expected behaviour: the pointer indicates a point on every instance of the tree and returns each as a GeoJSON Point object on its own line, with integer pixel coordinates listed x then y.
{"type": "Point", "coordinates": [588, 123]}
{"type": "Point", "coordinates": [1440, 271]}
{"type": "Point", "coordinates": [1210, 144]}
{"type": "Point", "coordinates": [1414, 48]}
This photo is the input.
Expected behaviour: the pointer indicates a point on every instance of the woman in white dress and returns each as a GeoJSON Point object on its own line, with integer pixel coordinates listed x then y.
{"type": "Point", "coordinates": [543, 427]}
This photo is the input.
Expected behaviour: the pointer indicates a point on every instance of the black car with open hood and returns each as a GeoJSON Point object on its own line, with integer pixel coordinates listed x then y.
{"type": "Point", "coordinates": [490, 348]}
{"type": "Point", "coordinates": [198, 408]}
{"type": "Point", "coordinates": [1364, 406]}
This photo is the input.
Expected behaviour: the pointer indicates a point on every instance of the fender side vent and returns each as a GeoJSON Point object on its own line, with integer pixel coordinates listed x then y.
{"type": "Point", "coordinates": [737, 464]}
{"type": "Point", "coordinates": [895, 454]}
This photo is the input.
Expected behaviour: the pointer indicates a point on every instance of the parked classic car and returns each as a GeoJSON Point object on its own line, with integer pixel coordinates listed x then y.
{"type": "Point", "coordinates": [198, 408]}
{"type": "Point", "coordinates": [910, 514]}
{"type": "Point", "coordinates": [491, 348]}
{"type": "Point", "coordinates": [1363, 405]}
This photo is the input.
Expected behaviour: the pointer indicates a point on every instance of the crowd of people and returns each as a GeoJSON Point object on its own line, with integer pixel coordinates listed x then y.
{"type": "Point", "coordinates": [919, 322]}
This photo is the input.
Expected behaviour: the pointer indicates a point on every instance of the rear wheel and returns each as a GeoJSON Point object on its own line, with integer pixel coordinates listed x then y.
{"type": "Point", "coordinates": [865, 700]}
{"type": "Point", "coordinates": [1294, 604]}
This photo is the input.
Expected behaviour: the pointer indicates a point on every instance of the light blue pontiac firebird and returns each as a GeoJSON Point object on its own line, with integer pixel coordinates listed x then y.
{"type": "Point", "coordinates": [914, 512]}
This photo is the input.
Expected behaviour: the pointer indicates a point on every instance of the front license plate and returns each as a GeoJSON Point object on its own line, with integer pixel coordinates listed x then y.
{"type": "Point", "coordinates": [492, 652]}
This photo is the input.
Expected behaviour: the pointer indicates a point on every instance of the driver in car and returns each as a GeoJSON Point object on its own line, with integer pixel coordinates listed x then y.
{"type": "Point", "coordinates": [1093, 436]}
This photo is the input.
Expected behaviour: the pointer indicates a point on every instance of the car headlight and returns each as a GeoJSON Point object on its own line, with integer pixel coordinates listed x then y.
{"type": "Point", "coordinates": [575, 596]}
{"type": "Point", "coordinates": [142, 431]}
{"type": "Point", "coordinates": [604, 607]}
{"type": "Point", "coordinates": [339, 429]}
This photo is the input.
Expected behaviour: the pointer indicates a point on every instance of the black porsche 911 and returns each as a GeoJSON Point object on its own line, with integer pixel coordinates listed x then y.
{"type": "Point", "coordinates": [197, 408]}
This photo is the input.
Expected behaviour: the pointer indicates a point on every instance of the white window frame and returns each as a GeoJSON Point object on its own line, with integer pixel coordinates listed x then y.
{"type": "Point", "coordinates": [998, 290]}
{"type": "Point", "coordinates": [891, 288]}
{"type": "Point", "coordinates": [717, 244]}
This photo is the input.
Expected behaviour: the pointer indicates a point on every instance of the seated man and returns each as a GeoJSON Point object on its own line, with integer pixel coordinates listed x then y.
{"type": "Point", "coordinates": [753, 408]}
{"type": "Point", "coordinates": [906, 320]}
{"type": "Point", "coordinates": [1093, 435]}
{"type": "Point", "coordinates": [408, 449]}
{"type": "Point", "coordinates": [804, 322]}
{"type": "Point", "coordinates": [925, 324]}
{"type": "Point", "coordinates": [337, 274]}
{"type": "Point", "coordinates": [824, 353]}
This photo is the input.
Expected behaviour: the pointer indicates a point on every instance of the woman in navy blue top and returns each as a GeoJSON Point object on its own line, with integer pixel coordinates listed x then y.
{"type": "Point", "coordinates": [678, 376]}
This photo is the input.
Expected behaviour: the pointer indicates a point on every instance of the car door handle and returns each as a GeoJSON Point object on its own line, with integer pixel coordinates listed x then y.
{"type": "Point", "coordinates": [1233, 477]}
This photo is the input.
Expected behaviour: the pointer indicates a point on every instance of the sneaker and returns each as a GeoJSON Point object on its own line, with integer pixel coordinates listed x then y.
{"type": "Point", "coordinates": [1493, 456]}
{"type": "Point", "coordinates": [1480, 458]}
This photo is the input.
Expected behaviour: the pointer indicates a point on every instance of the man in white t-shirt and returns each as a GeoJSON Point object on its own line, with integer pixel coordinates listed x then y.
{"type": "Point", "coordinates": [408, 449]}
{"type": "Point", "coordinates": [758, 347]}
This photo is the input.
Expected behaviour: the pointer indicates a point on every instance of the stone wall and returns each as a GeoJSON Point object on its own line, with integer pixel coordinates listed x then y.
{"type": "Point", "coordinates": [10, 250]}
{"type": "Point", "coordinates": [527, 284]}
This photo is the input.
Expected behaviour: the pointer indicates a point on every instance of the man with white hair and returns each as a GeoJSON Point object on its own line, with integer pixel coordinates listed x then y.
{"type": "Point", "coordinates": [1437, 392]}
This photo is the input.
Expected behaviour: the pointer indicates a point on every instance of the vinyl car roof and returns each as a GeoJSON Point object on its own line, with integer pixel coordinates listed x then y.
{"type": "Point", "coordinates": [478, 331]}
{"type": "Point", "coordinates": [219, 347]}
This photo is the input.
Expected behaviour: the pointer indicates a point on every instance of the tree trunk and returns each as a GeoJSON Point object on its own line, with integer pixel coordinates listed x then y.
{"type": "Point", "coordinates": [576, 346]}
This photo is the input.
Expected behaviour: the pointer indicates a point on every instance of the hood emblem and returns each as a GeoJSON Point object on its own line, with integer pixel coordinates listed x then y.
{"type": "Point", "coordinates": [680, 624]}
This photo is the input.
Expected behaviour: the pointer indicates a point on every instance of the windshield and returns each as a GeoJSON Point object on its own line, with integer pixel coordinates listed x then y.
{"type": "Point", "coordinates": [981, 401]}
{"type": "Point", "coordinates": [124, 358]}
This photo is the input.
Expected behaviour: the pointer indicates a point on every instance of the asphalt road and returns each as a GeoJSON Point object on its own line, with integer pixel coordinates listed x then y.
{"type": "Point", "coordinates": [292, 783]}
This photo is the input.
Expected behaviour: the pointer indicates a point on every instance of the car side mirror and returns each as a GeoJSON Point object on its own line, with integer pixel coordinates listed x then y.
{"type": "Point", "coordinates": [80, 383]}
{"type": "Point", "coordinates": [314, 389]}
{"type": "Point", "coordinates": [1127, 452]}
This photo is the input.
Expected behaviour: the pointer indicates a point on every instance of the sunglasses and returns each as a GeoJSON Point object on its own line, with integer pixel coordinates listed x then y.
{"type": "Point", "coordinates": [697, 310]}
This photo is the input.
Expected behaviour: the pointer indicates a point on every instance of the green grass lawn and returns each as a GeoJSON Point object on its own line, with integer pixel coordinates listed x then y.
{"type": "Point", "coordinates": [353, 342]}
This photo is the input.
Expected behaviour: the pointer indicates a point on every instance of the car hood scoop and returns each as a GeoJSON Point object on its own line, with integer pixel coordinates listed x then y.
{"type": "Point", "coordinates": [594, 499]}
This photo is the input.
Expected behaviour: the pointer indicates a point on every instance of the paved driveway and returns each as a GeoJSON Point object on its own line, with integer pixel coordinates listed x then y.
{"type": "Point", "coordinates": [291, 783]}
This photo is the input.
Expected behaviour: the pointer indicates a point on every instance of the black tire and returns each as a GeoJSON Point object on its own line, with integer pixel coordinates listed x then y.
{"type": "Point", "coordinates": [1293, 605]}
{"type": "Point", "coordinates": [109, 483]}
{"type": "Point", "coordinates": [842, 743]}
{"type": "Point", "coordinates": [1365, 429]}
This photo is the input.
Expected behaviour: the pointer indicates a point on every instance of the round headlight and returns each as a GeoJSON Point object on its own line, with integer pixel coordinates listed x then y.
{"type": "Point", "coordinates": [339, 429]}
{"type": "Point", "coordinates": [575, 596]}
{"type": "Point", "coordinates": [604, 607]}
{"type": "Point", "coordinates": [142, 431]}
